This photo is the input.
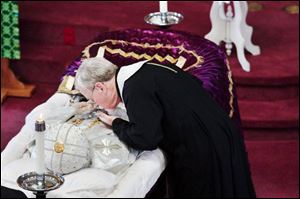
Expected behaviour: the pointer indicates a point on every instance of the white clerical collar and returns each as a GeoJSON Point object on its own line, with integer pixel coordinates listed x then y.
{"type": "Point", "coordinates": [125, 73]}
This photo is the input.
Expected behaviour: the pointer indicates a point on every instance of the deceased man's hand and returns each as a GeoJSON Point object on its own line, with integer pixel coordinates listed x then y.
{"type": "Point", "coordinates": [107, 119]}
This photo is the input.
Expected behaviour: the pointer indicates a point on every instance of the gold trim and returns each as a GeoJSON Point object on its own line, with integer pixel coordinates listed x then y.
{"type": "Point", "coordinates": [199, 59]}
{"type": "Point", "coordinates": [230, 89]}
{"type": "Point", "coordinates": [254, 7]}
{"type": "Point", "coordinates": [77, 121]}
{"type": "Point", "coordinates": [163, 67]}
{"type": "Point", "coordinates": [64, 87]}
{"type": "Point", "coordinates": [94, 122]}
{"type": "Point", "coordinates": [292, 9]}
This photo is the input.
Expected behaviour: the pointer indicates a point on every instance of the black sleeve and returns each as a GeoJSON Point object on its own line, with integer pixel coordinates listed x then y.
{"type": "Point", "coordinates": [144, 131]}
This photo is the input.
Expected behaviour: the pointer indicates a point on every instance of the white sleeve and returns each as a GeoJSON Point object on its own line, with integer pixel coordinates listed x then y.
{"type": "Point", "coordinates": [56, 108]}
{"type": "Point", "coordinates": [17, 146]}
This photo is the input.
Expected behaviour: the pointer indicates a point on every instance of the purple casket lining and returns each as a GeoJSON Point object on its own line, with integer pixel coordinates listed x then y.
{"type": "Point", "coordinates": [213, 70]}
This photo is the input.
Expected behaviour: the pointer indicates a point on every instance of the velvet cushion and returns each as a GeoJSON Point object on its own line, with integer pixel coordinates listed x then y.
{"type": "Point", "coordinates": [194, 54]}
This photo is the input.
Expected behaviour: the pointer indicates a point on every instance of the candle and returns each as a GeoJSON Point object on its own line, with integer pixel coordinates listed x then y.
{"type": "Point", "coordinates": [40, 127]}
{"type": "Point", "coordinates": [163, 6]}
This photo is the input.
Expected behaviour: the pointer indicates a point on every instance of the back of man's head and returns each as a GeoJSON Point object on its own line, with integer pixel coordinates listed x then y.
{"type": "Point", "coordinates": [93, 70]}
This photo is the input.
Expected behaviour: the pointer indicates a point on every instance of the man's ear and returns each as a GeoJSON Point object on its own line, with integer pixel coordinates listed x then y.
{"type": "Point", "coordinates": [99, 86]}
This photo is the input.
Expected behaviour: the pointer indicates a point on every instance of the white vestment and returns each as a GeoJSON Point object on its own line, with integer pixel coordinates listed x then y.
{"type": "Point", "coordinates": [91, 182]}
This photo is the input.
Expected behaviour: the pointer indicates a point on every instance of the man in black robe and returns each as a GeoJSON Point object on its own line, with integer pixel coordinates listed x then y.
{"type": "Point", "coordinates": [168, 108]}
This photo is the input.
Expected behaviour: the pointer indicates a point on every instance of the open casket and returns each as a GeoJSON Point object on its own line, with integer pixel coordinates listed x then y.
{"type": "Point", "coordinates": [146, 176]}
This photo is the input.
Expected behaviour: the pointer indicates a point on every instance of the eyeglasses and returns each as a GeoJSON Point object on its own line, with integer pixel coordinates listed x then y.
{"type": "Point", "coordinates": [92, 96]}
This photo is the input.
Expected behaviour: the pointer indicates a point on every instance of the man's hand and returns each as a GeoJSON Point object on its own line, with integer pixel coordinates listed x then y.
{"type": "Point", "coordinates": [107, 119]}
{"type": "Point", "coordinates": [83, 107]}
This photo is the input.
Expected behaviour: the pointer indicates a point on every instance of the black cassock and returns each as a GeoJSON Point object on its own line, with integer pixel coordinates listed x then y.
{"type": "Point", "coordinates": [168, 108]}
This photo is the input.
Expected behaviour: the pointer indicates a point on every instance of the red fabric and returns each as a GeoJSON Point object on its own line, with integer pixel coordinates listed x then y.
{"type": "Point", "coordinates": [69, 36]}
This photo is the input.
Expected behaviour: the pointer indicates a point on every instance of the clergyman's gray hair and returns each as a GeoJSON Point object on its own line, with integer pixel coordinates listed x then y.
{"type": "Point", "coordinates": [94, 70]}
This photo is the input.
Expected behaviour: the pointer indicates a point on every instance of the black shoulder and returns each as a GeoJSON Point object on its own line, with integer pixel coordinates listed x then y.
{"type": "Point", "coordinates": [170, 67]}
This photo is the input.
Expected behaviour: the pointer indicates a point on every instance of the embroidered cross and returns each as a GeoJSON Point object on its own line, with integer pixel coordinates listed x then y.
{"type": "Point", "coordinates": [107, 147]}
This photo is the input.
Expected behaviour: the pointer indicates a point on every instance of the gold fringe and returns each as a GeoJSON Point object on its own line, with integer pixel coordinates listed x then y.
{"type": "Point", "coordinates": [292, 9]}
{"type": "Point", "coordinates": [230, 89]}
{"type": "Point", "coordinates": [254, 7]}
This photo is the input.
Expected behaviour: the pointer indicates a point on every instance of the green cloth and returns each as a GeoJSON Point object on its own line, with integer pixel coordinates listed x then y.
{"type": "Point", "coordinates": [10, 42]}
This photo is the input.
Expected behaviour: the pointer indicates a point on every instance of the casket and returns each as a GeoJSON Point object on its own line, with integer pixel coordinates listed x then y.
{"type": "Point", "coordinates": [194, 54]}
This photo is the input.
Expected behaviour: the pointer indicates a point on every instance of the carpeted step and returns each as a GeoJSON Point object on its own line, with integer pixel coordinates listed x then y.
{"type": "Point", "coordinates": [267, 93]}
{"type": "Point", "coordinates": [50, 52]}
{"type": "Point", "coordinates": [269, 70]}
{"type": "Point", "coordinates": [277, 34]}
{"type": "Point", "coordinates": [58, 33]}
{"type": "Point", "coordinates": [274, 74]}
{"type": "Point", "coordinates": [271, 133]}
{"type": "Point", "coordinates": [270, 114]}
{"type": "Point", "coordinates": [112, 14]}
{"type": "Point", "coordinates": [278, 63]}
{"type": "Point", "coordinates": [38, 71]}
{"type": "Point", "coordinates": [44, 63]}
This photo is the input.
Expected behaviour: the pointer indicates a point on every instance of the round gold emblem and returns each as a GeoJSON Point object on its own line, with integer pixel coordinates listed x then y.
{"type": "Point", "coordinates": [59, 147]}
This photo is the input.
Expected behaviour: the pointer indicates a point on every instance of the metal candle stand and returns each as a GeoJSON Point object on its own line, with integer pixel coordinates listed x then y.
{"type": "Point", "coordinates": [40, 185]}
{"type": "Point", "coordinates": [163, 19]}
{"type": "Point", "coordinates": [40, 182]}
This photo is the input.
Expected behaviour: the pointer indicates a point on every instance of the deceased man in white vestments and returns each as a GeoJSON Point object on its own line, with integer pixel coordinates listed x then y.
{"type": "Point", "coordinates": [94, 162]}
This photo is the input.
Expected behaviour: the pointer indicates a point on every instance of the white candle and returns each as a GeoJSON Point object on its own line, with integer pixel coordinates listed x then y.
{"type": "Point", "coordinates": [39, 141]}
{"type": "Point", "coordinates": [163, 6]}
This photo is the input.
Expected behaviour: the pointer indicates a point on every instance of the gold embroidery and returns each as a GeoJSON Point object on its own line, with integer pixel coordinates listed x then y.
{"type": "Point", "coordinates": [199, 59]}
{"type": "Point", "coordinates": [94, 122]}
{"type": "Point", "coordinates": [77, 122]}
{"type": "Point", "coordinates": [190, 67]}
{"type": "Point", "coordinates": [230, 89]}
{"type": "Point", "coordinates": [106, 147]}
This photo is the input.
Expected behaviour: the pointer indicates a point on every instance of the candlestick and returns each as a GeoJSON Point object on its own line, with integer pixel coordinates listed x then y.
{"type": "Point", "coordinates": [40, 127]}
{"type": "Point", "coordinates": [40, 182]}
{"type": "Point", "coordinates": [163, 6]}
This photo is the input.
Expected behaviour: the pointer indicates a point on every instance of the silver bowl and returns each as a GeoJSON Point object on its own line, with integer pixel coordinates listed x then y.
{"type": "Point", "coordinates": [163, 19]}
{"type": "Point", "coordinates": [40, 183]}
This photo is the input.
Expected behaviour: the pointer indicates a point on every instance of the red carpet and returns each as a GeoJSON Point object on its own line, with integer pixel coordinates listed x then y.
{"type": "Point", "coordinates": [14, 110]}
{"type": "Point", "coordinates": [274, 164]}
{"type": "Point", "coordinates": [54, 33]}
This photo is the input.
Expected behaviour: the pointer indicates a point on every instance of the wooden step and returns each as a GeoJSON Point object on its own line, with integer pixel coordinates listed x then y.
{"type": "Point", "coordinates": [270, 114]}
